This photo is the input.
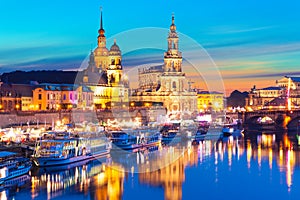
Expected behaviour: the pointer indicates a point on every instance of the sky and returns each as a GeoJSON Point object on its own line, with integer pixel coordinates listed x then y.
{"type": "Point", "coordinates": [252, 42]}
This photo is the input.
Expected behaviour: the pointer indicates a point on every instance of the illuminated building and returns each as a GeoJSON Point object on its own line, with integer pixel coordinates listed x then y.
{"type": "Point", "coordinates": [149, 77]}
{"type": "Point", "coordinates": [266, 97]}
{"type": "Point", "coordinates": [292, 87]}
{"type": "Point", "coordinates": [104, 74]}
{"type": "Point", "coordinates": [167, 83]}
{"type": "Point", "coordinates": [15, 97]}
{"type": "Point", "coordinates": [286, 94]}
{"type": "Point", "coordinates": [61, 96]}
{"type": "Point", "coordinates": [210, 101]}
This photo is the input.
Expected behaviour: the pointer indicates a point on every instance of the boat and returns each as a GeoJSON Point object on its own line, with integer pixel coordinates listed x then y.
{"type": "Point", "coordinates": [169, 135]}
{"type": "Point", "coordinates": [169, 131]}
{"type": "Point", "coordinates": [126, 141]}
{"type": "Point", "coordinates": [203, 127]}
{"type": "Point", "coordinates": [12, 166]}
{"type": "Point", "coordinates": [64, 148]}
{"type": "Point", "coordinates": [231, 129]}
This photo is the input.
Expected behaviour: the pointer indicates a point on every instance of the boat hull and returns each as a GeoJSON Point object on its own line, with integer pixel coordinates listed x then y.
{"type": "Point", "coordinates": [48, 161]}
{"type": "Point", "coordinates": [136, 146]}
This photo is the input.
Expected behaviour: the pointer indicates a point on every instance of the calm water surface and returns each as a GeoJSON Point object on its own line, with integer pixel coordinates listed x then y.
{"type": "Point", "coordinates": [259, 166]}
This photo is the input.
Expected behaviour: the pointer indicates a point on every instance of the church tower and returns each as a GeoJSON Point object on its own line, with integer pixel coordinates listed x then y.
{"type": "Point", "coordinates": [172, 78]}
{"type": "Point", "coordinates": [101, 52]}
{"type": "Point", "coordinates": [172, 57]}
{"type": "Point", "coordinates": [114, 70]}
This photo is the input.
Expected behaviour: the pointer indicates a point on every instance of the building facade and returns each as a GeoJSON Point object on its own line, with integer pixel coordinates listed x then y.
{"type": "Point", "coordinates": [292, 88]}
{"type": "Point", "coordinates": [61, 96]}
{"type": "Point", "coordinates": [149, 78]}
{"type": "Point", "coordinates": [15, 97]}
{"type": "Point", "coordinates": [285, 95]}
{"type": "Point", "coordinates": [210, 101]}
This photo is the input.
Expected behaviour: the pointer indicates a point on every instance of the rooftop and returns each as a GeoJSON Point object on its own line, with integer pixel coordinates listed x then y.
{"type": "Point", "coordinates": [209, 92]}
{"type": "Point", "coordinates": [272, 88]}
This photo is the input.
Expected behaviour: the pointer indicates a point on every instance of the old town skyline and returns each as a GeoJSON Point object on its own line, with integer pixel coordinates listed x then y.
{"type": "Point", "coordinates": [258, 48]}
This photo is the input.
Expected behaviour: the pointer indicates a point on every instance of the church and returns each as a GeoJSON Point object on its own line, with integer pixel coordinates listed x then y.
{"type": "Point", "coordinates": [168, 83]}
{"type": "Point", "coordinates": [104, 74]}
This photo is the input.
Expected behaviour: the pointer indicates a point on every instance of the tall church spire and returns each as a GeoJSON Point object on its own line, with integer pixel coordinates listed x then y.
{"type": "Point", "coordinates": [101, 52]}
{"type": "Point", "coordinates": [101, 22]}
{"type": "Point", "coordinates": [101, 30]}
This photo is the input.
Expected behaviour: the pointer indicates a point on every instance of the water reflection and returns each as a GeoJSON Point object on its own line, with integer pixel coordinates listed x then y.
{"type": "Point", "coordinates": [98, 179]}
{"type": "Point", "coordinates": [172, 176]}
{"type": "Point", "coordinates": [106, 179]}
{"type": "Point", "coordinates": [280, 148]}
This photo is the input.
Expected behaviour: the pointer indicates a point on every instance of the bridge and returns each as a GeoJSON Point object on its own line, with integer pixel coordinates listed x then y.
{"type": "Point", "coordinates": [280, 118]}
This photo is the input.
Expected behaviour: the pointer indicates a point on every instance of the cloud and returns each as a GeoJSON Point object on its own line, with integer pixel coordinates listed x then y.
{"type": "Point", "coordinates": [54, 63]}
{"type": "Point", "coordinates": [236, 29]}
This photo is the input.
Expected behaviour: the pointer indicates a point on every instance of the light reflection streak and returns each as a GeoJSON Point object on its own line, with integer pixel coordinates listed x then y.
{"type": "Point", "coordinates": [270, 158]}
{"type": "Point", "coordinates": [249, 154]}
{"type": "Point", "coordinates": [259, 155]}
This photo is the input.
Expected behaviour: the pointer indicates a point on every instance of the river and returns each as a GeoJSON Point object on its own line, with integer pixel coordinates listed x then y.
{"type": "Point", "coordinates": [256, 166]}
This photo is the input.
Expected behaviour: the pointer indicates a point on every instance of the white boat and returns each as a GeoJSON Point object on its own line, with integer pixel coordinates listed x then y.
{"type": "Point", "coordinates": [63, 148]}
{"type": "Point", "coordinates": [12, 166]}
{"type": "Point", "coordinates": [127, 141]}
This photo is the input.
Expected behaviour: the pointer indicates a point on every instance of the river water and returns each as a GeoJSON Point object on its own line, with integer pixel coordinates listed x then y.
{"type": "Point", "coordinates": [256, 166]}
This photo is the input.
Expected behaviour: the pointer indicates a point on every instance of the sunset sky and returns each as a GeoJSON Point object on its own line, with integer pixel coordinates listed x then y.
{"type": "Point", "coordinates": [251, 42]}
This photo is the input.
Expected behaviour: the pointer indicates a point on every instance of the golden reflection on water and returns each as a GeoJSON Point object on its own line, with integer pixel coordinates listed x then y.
{"type": "Point", "coordinates": [109, 184]}
{"type": "Point", "coordinates": [172, 176]}
{"type": "Point", "coordinates": [106, 180]}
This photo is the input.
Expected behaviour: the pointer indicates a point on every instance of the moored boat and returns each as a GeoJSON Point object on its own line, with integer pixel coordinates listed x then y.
{"type": "Point", "coordinates": [231, 129]}
{"type": "Point", "coordinates": [169, 135]}
{"type": "Point", "coordinates": [12, 166]}
{"type": "Point", "coordinates": [127, 141]}
{"type": "Point", "coordinates": [62, 148]}
{"type": "Point", "coordinates": [203, 127]}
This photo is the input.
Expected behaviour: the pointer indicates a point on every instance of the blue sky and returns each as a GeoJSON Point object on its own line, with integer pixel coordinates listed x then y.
{"type": "Point", "coordinates": [254, 40]}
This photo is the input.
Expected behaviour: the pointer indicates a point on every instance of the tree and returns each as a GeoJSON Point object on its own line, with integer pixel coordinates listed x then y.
{"type": "Point", "coordinates": [237, 98]}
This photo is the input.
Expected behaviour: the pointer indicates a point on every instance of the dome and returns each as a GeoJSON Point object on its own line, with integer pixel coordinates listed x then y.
{"type": "Point", "coordinates": [114, 49]}
{"type": "Point", "coordinates": [101, 51]}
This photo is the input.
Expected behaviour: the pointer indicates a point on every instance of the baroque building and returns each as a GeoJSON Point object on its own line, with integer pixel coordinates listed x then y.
{"type": "Point", "coordinates": [61, 96]}
{"type": "Point", "coordinates": [168, 83]}
{"type": "Point", "coordinates": [285, 95]}
{"type": "Point", "coordinates": [15, 97]}
{"type": "Point", "coordinates": [104, 74]}
{"type": "Point", "coordinates": [210, 101]}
